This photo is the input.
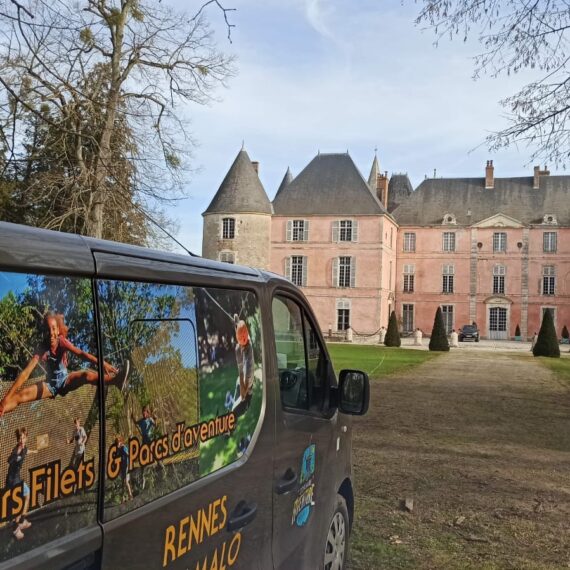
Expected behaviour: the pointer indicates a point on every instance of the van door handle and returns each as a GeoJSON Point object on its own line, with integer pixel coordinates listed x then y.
{"type": "Point", "coordinates": [287, 482]}
{"type": "Point", "coordinates": [243, 514]}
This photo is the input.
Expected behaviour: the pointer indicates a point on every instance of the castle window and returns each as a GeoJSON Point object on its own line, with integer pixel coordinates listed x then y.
{"type": "Point", "coordinates": [297, 230]}
{"type": "Point", "coordinates": [228, 228]}
{"type": "Point", "coordinates": [549, 242]}
{"type": "Point", "coordinates": [409, 276]}
{"type": "Point", "coordinates": [448, 241]}
{"type": "Point", "coordinates": [342, 314]}
{"type": "Point", "coordinates": [499, 272]}
{"type": "Point", "coordinates": [448, 278]}
{"type": "Point", "coordinates": [227, 256]}
{"type": "Point", "coordinates": [499, 242]}
{"type": "Point", "coordinates": [447, 313]}
{"type": "Point", "coordinates": [449, 219]}
{"type": "Point", "coordinates": [344, 271]}
{"type": "Point", "coordinates": [548, 280]}
{"type": "Point", "coordinates": [344, 230]}
{"type": "Point", "coordinates": [409, 242]}
{"type": "Point", "coordinates": [296, 270]}
{"type": "Point", "coordinates": [408, 317]}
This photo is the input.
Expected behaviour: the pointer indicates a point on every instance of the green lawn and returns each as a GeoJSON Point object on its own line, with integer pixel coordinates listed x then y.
{"type": "Point", "coordinates": [560, 366]}
{"type": "Point", "coordinates": [376, 360]}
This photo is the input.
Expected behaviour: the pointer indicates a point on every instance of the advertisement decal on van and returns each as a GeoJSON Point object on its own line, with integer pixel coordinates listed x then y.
{"type": "Point", "coordinates": [305, 500]}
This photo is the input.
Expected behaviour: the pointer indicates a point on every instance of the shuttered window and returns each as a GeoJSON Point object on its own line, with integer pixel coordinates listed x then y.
{"type": "Point", "coordinates": [296, 270]}
{"type": "Point", "coordinates": [297, 230]}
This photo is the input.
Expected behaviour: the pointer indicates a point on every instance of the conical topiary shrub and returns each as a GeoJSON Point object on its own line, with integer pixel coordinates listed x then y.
{"type": "Point", "coordinates": [438, 340]}
{"type": "Point", "coordinates": [547, 341]}
{"type": "Point", "coordinates": [518, 331]}
{"type": "Point", "coordinates": [565, 333]}
{"type": "Point", "coordinates": [392, 334]}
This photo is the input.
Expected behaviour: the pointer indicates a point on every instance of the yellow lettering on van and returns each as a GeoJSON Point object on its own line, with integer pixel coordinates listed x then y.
{"type": "Point", "coordinates": [224, 511]}
{"type": "Point", "coordinates": [233, 550]}
{"type": "Point", "coordinates": [169, 548]}
{"type": "Point", "coordinates": [214, 564]}
{"type": "Point", "coordinates": [205, 526]}
{"type": "Point", "coordinates": [194, 530]}
{"type": "Point", "coordinates": [213, 527]}
{"type": "Point", "coordinates": [182, 536]}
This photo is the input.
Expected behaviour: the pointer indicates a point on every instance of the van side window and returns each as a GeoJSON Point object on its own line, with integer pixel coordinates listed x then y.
{"type": "Point", "coordinates": [190, 386]}
{"type": "Point", "coordinates": [300, 360]}
{"type": "Point", "coordinates": [49, 439]}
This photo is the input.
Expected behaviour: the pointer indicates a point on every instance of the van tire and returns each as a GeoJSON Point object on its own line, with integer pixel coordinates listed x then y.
{"type": "Point", "coordinates": [336, 542]}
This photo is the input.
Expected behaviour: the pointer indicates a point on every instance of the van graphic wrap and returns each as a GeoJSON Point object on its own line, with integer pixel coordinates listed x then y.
{"type": "Point", "coordinates": [49, 415]}
{"type": "Point", "coordinates": [305, 500]}
{"type": "Point", "coordinates": [193, 394]}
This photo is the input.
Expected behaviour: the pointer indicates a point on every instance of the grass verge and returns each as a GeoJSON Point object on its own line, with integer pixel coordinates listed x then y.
{"type": "Point", "coordinates": [560, 367]}
{"type": "Point", "coordinates": [376, 360]}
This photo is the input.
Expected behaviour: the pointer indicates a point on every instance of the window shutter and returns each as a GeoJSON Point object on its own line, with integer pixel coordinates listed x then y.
{"type": "Point", "coordinates": [304, 282]}
{"type": "Point", "coordinates": [355, 230]}
{"type": "Point", "coordinates": [306, 230]}
{"type": "Point", "coordinates": [288, 268]}
{"type": "Point", "coordinates": [335, 272]}
{"type": "Point", "coordinates": [289, 236]}
{"type": "Point", "coordinates": [336, 232]}
{"type": "Point", "coordinates": [353, 271]}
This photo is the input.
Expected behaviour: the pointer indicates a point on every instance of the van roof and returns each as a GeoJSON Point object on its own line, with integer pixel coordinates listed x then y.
{"type": "Point", "coordinates": [27, 248]}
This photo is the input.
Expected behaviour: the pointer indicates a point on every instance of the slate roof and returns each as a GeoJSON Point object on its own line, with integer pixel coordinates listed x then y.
{"type": "Point", "coordinates": [330, 184]}
{"type": "Point", "coordinates": [513, 197]}
{"type": "Point", "coordinates": [399, 190]}
{"type": "Point", "coordinates": [285, 182]}
{"type": "Point", "coordinates": [374, 172]}
{"type": "Point", "coordinates": [241, 190]}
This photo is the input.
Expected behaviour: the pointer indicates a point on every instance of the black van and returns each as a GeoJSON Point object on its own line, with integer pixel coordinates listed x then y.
{"type": "Point", "coordinates": [163, 411]}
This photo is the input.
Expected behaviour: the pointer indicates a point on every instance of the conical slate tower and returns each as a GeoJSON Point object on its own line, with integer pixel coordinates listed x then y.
{"type": "Point", "coordinates": [374, 172]}
{"type": "Point", "coordinates": [238, 218]}
{"type": "Point", "coordinates": [285, 182]}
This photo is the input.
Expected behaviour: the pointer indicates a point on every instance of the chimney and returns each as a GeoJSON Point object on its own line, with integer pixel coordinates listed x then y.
{"type": "Point", "coordinates": [537, 174]}
{"type": "Point", "coordinates": [255, 165]}
{"type": "Point", "coordinates": [489, 175]}
{"type": "Point", "coordinates": [382, 188]}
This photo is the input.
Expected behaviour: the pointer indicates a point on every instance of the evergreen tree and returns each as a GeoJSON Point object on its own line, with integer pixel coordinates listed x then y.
{"type": "Point", "coordinates": [438, 340]}
{"type": "Point", "coordinates": [393, 334]}
{"type": "Point", "coordinates": [565, 333]}
{"type": "Point", "coordinates": [518, 331]}
{"type": "Point", "coordinates": [547, 341]}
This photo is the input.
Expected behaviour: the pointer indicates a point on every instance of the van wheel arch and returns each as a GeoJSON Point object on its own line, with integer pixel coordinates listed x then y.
{"type": "Point", "coordinates": [346, 492]}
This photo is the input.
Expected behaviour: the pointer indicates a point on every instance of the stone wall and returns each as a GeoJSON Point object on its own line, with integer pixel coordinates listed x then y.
{"type": "Point", "coordinates": [251, 244]}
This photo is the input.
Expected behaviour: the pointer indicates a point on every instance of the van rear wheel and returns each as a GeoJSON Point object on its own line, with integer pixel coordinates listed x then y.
{"type": "Point", "coordinates": [336, 546]}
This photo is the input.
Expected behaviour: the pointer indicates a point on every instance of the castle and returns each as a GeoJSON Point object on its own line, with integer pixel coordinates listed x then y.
{"type": "Point", "coordinates": [491, 251]}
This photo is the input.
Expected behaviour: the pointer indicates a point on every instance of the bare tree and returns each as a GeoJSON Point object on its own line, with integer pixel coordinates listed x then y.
{"type": "Point", "coordinates": [96, 72]}
{"type": "Point", "coordinates": [518, 35]}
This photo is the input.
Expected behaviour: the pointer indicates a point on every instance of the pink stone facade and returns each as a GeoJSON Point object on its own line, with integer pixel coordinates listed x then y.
{"type": "Point", "coordinates": [498, 290]}
{"type": "Point", "coordinates": [370, 295]}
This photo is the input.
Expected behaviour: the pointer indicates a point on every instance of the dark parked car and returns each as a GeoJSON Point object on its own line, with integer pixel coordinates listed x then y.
{"type": "Point", "coordinates": [469, 332]}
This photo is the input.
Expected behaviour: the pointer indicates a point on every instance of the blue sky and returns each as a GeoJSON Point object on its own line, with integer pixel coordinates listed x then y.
{"type": "Point", "coordinates": [337, 75]}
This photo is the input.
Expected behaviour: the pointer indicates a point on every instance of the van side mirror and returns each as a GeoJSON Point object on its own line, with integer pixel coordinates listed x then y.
{"type": "Point", "coordinates": [354, 392]}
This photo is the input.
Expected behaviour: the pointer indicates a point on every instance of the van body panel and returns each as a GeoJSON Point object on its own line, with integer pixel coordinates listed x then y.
{"type": "Point", "coordinates": [271, 532]}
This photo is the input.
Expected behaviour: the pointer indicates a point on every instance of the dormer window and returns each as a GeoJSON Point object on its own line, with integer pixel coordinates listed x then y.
{"type": "Point", "coordinates": [550, 219]}
{"type": "Point", "coordinates": [449, 219]}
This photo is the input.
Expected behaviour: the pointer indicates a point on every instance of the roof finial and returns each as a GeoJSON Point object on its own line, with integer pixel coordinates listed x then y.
{"type": "Point", "coordinates": [242, 144]}
{"type": "Point", "coordinates": [375, 151]}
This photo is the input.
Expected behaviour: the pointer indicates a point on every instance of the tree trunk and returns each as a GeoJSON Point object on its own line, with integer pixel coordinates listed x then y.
{"type": "Point", "coordinates": [94, 226]}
